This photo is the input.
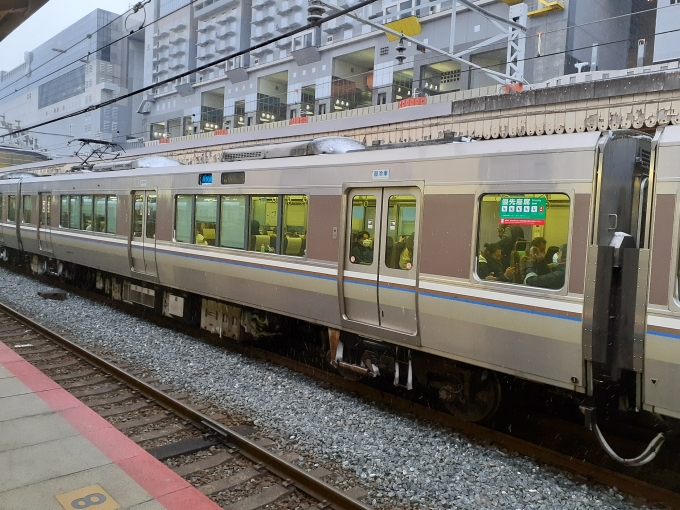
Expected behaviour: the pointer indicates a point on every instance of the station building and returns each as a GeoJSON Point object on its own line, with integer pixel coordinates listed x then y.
{"type": "Point", "coordinates": [346, 64]}
{"type": "Point", "coordinates": [79, 67]}
{"type": "Point", "coordinates": [342, 65]}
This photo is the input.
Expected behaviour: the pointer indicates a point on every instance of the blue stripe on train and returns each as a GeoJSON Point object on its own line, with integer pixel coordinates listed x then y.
{"type": "Point", "coordinates": [355, 282]}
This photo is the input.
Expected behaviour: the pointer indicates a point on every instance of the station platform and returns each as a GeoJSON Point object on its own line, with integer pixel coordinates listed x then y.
{"type": "Point", "coordinates": [57, 453]}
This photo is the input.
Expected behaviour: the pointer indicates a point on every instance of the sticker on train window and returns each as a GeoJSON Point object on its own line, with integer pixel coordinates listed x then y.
{"type": "Point", "coordinates": [522, 211]}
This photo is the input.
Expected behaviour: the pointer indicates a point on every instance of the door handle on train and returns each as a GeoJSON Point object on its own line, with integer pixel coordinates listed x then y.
{"type": "Point", "coordinates": [615, 217]}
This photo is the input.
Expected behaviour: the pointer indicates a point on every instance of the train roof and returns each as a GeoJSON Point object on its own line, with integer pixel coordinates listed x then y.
{"type": "Point", "coordinates": [577, 142]}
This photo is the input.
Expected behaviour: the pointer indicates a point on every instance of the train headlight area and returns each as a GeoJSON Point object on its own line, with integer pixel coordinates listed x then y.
{"type": "Point", "coordinates": [443, 265]}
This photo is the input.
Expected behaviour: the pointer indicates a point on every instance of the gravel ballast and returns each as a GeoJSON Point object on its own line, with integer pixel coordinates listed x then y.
{"type": "Point", "coordinates": [401, 461]}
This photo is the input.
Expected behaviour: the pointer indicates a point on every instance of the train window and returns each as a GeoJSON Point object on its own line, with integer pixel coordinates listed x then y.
{"type": "Point", "coordinates": [99, 218]}
{"type": "Point", "coordinates": [63, 219]}
{"type": "Point", "coordinates": [1, 207]}
{"type": "Point", "coordinates": [74, 212]}
{"type": "Point", "coordinates": [522, 239]}
{"type": "Point", "coordinates": [205, 219]}
{"type": "Point", "coordinates": [27, 209]}
{"type": "Point", "coordinates": [151, 216]}
{"type": "Point", "coordinates": [294, 225]}
{"type": "Point", "coordinates": [363, 229]}
{"type": "Point", "coordinates": [111, 209]}
{"type": "Point", "coordinates": [233, 221]}
{"type": "Point", "coordinates": [86, 212]}
{"type": "Point", "coordinates": [264, 220]}
{"type": "Point", "coordinates": [183, 207]}
{"type": "Point", "coordinates": [400, 228]}
{"type": "Point", "coordinates": [138, 216]}
{"type": "Point", "coordinates": [12, 208]}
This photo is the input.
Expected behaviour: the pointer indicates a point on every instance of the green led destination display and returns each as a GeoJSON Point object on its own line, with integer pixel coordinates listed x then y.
{"type": "Point", "coordinates": [522, 211]}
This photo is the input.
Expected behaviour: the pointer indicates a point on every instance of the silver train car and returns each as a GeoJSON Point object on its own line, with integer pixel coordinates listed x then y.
{"type": "Point", "coordinates": [391, 253]}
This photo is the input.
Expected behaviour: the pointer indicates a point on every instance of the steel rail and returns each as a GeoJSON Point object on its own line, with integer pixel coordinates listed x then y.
{"type": "Point", "coordinates": [305, 482]}
{"type": "Point", "coordinates": [600, 474]}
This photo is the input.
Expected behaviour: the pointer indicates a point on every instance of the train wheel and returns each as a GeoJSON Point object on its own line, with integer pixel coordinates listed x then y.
{"type": "Point", "coordinates": [473, 395]}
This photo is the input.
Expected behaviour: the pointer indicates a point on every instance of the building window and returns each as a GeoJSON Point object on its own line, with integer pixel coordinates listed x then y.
{"type": "Point", "coordinates": [303, 40]}
{"type": "Point", "coordinates": [63, 87]}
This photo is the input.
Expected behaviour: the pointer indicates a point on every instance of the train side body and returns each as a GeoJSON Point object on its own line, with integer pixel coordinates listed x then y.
{"type": "Point", "coordinates": [532, 333]}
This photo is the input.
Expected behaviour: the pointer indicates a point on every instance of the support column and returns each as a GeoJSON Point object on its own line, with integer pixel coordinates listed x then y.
{"type": "Point", "coordinates": [516, 42]}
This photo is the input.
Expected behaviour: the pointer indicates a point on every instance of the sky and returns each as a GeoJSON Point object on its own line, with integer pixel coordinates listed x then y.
{"type": "Point", "coordinates": [52, 18]}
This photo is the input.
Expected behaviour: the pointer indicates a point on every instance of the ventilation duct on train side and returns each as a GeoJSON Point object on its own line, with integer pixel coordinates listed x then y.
{"type": "Point", "coordinates": [323, 145]}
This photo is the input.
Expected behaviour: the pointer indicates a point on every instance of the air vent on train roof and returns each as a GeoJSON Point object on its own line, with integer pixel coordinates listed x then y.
{"type": "Point", "coordinates": [324, 145]}
{"type": "Point", "coordinates": [149, 162]}
{"type": "Point", "coordinates": [18, 175]}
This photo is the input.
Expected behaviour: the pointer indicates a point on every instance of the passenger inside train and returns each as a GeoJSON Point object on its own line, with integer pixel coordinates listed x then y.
{"type": "Point", "coordinates": [490, 267]}
{"type": "Point", "coordinates": [406, 256]}
{"type": "Point", "coordinates": [552, 280]}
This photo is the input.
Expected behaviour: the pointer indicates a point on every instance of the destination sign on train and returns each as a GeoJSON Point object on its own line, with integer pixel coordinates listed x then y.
{"type": "Point", "coordinates": [522, 211]}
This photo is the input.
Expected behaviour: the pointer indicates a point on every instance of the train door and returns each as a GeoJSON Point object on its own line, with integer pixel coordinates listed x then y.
{"type": "Point", "coordinates": [143, 238]}
{"type": "Point", "coordinates": [45, 222]}
{"type": "Point", "coordinates": [380, 264]}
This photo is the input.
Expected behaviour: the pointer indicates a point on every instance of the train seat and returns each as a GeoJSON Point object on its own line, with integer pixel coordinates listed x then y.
{"type": "Point", "coordinates": [258, 241]}
{"type": "Point", "coordinates": [293, 245]}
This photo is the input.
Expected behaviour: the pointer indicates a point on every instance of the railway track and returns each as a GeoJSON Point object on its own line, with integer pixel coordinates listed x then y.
{"type": "Point", "coordinates": [235, 471]}
{"type": "Point", "coordinates": [569, 446]}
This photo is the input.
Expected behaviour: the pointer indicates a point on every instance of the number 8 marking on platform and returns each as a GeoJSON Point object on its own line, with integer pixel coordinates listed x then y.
{"type": "Point", "coordinates": [93, 497]}
{"type": "Point", "coordinates": [88, 501]}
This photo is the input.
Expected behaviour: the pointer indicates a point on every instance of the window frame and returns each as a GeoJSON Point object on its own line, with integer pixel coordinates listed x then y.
{"type": "Point", "coordinates": [673, 290]}
{"type": "Point", "coordinates": [217, 217]}
{"type": "Point", "coordinates": [94, 213]}
{"type": "Point", "coordinates": [246, 233]}
{"type": "Point", "coordinates": [12, 198]}
{"type": "Point", "coordinates": [284, 224]}
{"type": "Point", "coordinates": [23, 209]}
{"type": "Point", "coordinates": [61, 210]}
{"type": "Point", "coordinates": [83, 213]}
{"type": "Point", "coordinates": [218, 240]}
{"type": "Point", "coordinates": [510, 190]}
{"type": "Point", "coordinates": [115, 224]}
{"type": "Point", "coordinates": [279, 221]}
